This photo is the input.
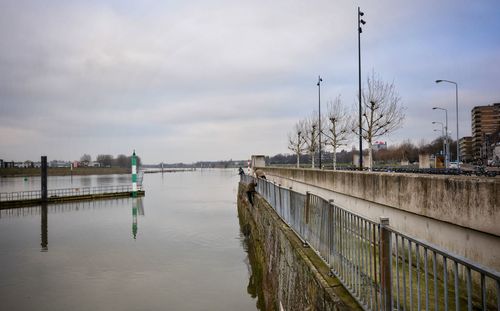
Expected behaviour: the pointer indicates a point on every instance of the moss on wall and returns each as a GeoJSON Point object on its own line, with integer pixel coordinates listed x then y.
{"type": "Point", "coordinates": [291, 275]}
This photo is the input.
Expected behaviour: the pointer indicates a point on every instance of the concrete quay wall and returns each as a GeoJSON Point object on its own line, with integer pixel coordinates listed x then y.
{"type": "Point", "coordinates": [293, 276]}
{"type": "Point", "coordinates": [460, 214]}
{"type": "Point", "coordinates": [471, 202]}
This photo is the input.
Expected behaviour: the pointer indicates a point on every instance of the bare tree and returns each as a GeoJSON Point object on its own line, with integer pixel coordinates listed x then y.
{"type": "Point", "coordinates": [310, 136]}
{"type": "Point", "coordinates": [86, 158]}
{"type": "Point", "coordinates": [105, 159]}
{"type": "Point", "coordinates": [339, 127]}
{"type": "Point", "coordinates": [296, 142]}
{"type": "Point", "coordinates": [122, 161]}
{"type": "Point", "coordinates": [383, 112]}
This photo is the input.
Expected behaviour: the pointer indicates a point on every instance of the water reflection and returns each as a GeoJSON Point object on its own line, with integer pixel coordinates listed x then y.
{"type": "Point", "coordinates": [255, 268]}
{"type": "Point", "coordinates": [86, 181]}
{"type": "Point", "coordinates": [186, 256]}
{"type": "Point", "coordinates": [64, 208]}
{"type": "Point", "coordinates": [43, 211]}
{"type": "Point", "coordinates": [137, 208]}
{"type": "Point", "coordinates": [45, 229]}
{"type": "Point", "coordinates": [105, 179]}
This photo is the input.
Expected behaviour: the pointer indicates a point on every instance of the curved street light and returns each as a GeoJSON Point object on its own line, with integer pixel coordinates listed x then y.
{"type": "Point", "coordinates": [442, 135]}
{"type": "Point", "coordinates": [446, 157]}
{"type": "Point", "coordinates": [456, 104]}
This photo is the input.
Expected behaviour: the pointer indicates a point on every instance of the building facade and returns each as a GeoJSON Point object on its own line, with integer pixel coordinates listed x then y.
{"type": "Point", "coordinates": [379, 145]}
{"type": "Point", "coordinates": [466, 149]}
{"type": "Point", "coordinates": [485, 127]}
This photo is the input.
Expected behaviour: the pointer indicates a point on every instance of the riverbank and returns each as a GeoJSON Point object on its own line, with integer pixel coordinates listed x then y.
{"type": "Point", "coordinates": [292, 276]}
{"type": "Point", "coordinates": [63, 171]}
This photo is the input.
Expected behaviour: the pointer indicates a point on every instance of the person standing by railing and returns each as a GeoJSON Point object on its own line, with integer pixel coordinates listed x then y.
{"type": "Point", "coordinates": [251, 191]}
{"type": "Point", "coordinates": [260, 174]}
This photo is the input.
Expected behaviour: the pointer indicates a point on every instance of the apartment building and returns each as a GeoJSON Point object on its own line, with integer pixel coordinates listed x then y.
{"type": "Point", "coordinates": [485, 127]}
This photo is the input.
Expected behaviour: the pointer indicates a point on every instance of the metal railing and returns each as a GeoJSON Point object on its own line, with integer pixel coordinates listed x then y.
{"type": "Point", "coordinates": [382, 268]}
{"type": "Point", "coordinates": [67, 192]}
{"type": "Point", "coordinates": [427, 276]}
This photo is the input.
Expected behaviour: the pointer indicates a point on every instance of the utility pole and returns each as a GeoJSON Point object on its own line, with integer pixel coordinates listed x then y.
{"type": "Point", "coordinates": [456, 105]}
{"type": "Point", "coordinates": [319, 117]}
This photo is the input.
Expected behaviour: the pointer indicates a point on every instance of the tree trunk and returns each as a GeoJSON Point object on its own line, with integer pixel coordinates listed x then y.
{"type": "Point", "coordinates": [334, 158]}
{"type": "Point", "coordinates": [298, 160]}
{"type": "Point", "coordinates": [312, 159]}
{"type": "Point", "coordinates": [370, 156]}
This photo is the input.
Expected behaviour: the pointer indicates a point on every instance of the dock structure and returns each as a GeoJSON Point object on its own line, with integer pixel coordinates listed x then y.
{"type": "Point", "coordinates": [172, 170]}
{"type": "Point", "coordinates": [35, 197]}
{"type": "Point", "coordinates": [45, 196]}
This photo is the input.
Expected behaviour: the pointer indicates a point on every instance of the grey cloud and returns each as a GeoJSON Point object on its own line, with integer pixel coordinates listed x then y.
{"type": "Point", "coordinates": [195, 80]}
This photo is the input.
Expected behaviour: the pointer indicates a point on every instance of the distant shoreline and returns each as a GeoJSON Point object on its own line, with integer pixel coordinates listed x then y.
{"type": "Point", "coordinates": [63, 171]}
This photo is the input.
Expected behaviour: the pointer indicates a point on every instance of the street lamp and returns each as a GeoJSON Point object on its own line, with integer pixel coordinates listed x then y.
{"type": "Point", "coordinates": [446, 158]}
{"type": "Point", "coordinates": [442, 135]}
{"type": "Point", "coordinates": [319, 117]}
{"type": "Point", "coordinates": [360, 30]}
{"type": "Point", "coordinates": [456, 104]}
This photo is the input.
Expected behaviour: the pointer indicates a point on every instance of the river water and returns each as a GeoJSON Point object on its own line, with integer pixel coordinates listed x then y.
{"type": "Point", "coordinates": [177, 248]}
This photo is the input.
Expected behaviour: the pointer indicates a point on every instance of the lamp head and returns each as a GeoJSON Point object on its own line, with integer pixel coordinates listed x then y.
{"type": "Point", "coordinates": [361, 13]}
{"type": "Point", "coordinates": [439, 81]}
{"type": "Point", "coordinates": [362, 22]}
{"type": "Point", "coordinates": [434, 108]}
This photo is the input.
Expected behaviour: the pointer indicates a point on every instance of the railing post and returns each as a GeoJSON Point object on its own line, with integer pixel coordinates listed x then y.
{"type": "Point", "coordinates": [281, 202]}
{"type": "Point", "coordinates": [308, 200]}
{"type": "Point", "coordinates": [385, 264]}
{"type": "Point", "coordinates": [307, 228]}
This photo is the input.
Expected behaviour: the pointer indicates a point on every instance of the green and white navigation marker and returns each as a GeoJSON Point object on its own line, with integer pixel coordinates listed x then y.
{"type": "Point", "coordinates": [134, 175]}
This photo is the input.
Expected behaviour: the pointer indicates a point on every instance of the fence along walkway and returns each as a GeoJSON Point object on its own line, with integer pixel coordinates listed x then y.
{"type": "Point", "coordinates": [68, 192]}
{"type": "Point", "coordinates": [382, 268]}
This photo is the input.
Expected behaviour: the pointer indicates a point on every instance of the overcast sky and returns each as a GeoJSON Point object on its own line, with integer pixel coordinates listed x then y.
{"type": "Point", "coordinates": [209, 80]}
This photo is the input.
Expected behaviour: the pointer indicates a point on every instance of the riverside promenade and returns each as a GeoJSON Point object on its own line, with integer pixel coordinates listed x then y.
{"type": "Point", "coordinates": [393, 241]}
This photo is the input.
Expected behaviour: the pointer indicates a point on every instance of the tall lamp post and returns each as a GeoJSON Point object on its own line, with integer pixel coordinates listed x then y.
{"type": "Point", "coordinates": [446, 157]}
{"type": "Point", "coordinates": [360, 30]}
{"type": "Point", "coordinates": [456, 105]}
{"type": "Point", "coordinates": [442, 135]}
{"type": "Point", "coordinates": [319, 117]}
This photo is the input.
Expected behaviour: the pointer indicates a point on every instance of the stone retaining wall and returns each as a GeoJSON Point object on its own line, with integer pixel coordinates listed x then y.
{"type": "Point", "coordinates": [293, 276]}
{"type": "Point", "coordinates": [467, 201]}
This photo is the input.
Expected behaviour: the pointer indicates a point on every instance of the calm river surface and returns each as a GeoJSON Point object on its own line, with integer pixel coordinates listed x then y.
{"type": "Point", "coordinates": [188, 253]}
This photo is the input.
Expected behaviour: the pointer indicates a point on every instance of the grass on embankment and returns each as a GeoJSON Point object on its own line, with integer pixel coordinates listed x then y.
{"type": "Point", "coordinates": [63, 171]}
